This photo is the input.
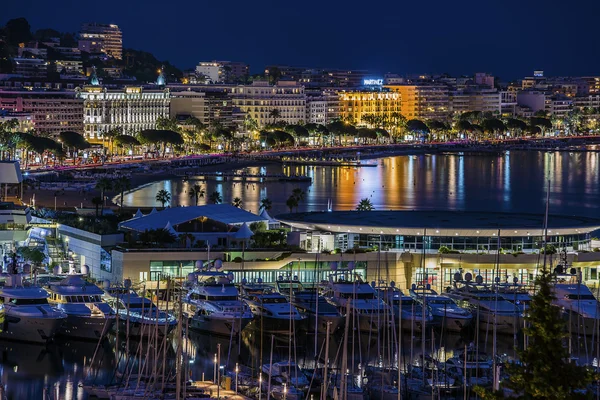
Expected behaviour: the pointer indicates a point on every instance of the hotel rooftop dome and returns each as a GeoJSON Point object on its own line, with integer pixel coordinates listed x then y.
{"type": "Point", "coordinates": [439, 223]}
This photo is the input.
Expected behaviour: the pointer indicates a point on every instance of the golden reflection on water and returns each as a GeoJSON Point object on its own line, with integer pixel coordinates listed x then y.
{"type": "Point", "coordinates": [514, 181]}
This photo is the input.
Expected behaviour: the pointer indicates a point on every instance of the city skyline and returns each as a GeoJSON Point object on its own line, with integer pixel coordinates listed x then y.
{"type": "Point", "coordinates": [501, 41]}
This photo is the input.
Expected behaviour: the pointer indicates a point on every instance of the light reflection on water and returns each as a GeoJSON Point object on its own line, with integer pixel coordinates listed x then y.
{"type": "Point", "coordinates": [516, 181]}
{"type": "Point", "coordinates": [29, 371]}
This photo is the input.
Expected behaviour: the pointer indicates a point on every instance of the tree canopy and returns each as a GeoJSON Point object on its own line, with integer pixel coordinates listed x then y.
{"type": "Point", "coordinates": [74, 140]}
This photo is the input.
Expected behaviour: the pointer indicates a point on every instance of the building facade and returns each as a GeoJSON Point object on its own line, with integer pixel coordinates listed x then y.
{"type": "Point", "coordinates": [53, 111]}
{"type": "Point", "coordinates": [208, 107]}
{"type": "Point", "coordinates": [423, 101]}
{"type": "Point", "coordinates": [322, 107]}
{"type": "Point", "coordinates": [475, 99]}
{"type": "Point", "coordinates": [355, 105]}
{"type": "Point", "coordinates": [131, 109]}
{"type": "Point", "coordinates": [261, 101]}
{"type": "Point", "coordinates": [101, 38]}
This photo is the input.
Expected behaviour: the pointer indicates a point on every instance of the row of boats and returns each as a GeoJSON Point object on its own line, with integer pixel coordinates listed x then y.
{"type": "Point", "coordinates": [37, 309]}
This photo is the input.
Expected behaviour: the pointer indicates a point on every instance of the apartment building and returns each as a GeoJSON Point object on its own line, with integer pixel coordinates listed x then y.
{"type": "Point", "coordinates": [322, 107]}
{"type": "Point", "coordinates": [52, 111]}
{"type": "Point", "coordinates": [101, 38]}
{"type": "Point", "coordinates": [475, 99]}
{"type": "Point", "coordinates": [423, 100]}
{"type": "Point", "coordinates": [260, 100]}
{"type": "Point", "coordinates": [207, 106]}
{"type": "Point", "coordinates": [355, 104]}
{"type": "Point", "coordinates": [31, 67]}
{"type": "Point", "coordinates": [130, 109]}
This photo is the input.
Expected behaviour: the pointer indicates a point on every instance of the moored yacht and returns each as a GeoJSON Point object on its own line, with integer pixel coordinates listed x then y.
{"type": "Point", "coordinates": [138, 316]}
{"type": "Point", "coordinates": [407, 311]}
{"type": "Point", "coordinates": [272, 311]}
{"type": "Point", "coordinates": [88, 316]}
{"type": "Point", "coordinates": [359, 299]}
{"type": "Point", "coordinates": [214, 304]}
{"type": "Point", "coordinates": [28, 316]}
{"type": "Point", "coordinates": [444, 310]}
{"type": "Point", "coordinates": [489, 308]}
{"type": "Point", "coordinates": [310, 303]}
{"type": "Point", "coordinates": [579, 306]}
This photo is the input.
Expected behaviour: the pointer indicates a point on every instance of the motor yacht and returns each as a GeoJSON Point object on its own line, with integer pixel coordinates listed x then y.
{"type": "Point", "coordinates": [359, 299]}
{"type": "Point", "coordinates": [88, 316]}
{"type": "Point", "coordinates": [310, 303]}
{"type": "Point", "coordinates": [27, 315]}
{"type": "Point", "coordinates": [407, 311]}
{"type": "Point", "coordinates": [214, 304]}
{"type": "Point", "coordinates": [489, 308]}
{"type": "Point", "coordinates": [272, 311]}
{"type": "Point", "coordinates": [137, 316]}
{"type": "Point", "coordinates": [444, 310]}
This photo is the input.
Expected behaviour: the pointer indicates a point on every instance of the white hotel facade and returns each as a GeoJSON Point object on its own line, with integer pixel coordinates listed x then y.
{"type": "Point", "coordinates": [131, 109]}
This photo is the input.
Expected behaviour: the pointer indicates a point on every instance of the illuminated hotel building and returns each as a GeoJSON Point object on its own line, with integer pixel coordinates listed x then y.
{"type": "Point", "coordinates": [260, 99]}
{"type": "Point", "coordinates": [354, 105]}
{"type": "Point", "coordinates": [423, 101]}
{"type": "Point", "coordinates": [131, 109]}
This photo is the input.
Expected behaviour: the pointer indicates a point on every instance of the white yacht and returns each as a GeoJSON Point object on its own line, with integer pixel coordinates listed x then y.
{"type": "Point", "coordinates": [138, 316]}
{"type": "Point", "coordinates": [310, 303]}
{"type": "Point", "coordinates": [360, 299]}
{"type": "Point", "coordinates": [444, 310]}
{"type": "Point", "coordinates": [272, 311]}
{"type": "Point", "coordinates": [407, 311]}
{"type": "Point", "coordinates": [579, 306]}
{"type": "Point", "coordinates": [214, 304]}
{"type": "Point", "coordinates": [28, 316]}
{"type": "Point", "coordinates": [488, 308]}
{"type": "Point", "coordinates": [88, 316]}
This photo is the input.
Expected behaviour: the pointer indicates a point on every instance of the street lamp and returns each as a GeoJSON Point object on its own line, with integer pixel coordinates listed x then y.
{"type": "Point", "coordinates": [260, 386]}
{"type": "Point", "coordinates": [284, 391]}
{"type": "Point", "coordinates": [237, 370]}
{"type": "Point", "coordinates": [215, 369]}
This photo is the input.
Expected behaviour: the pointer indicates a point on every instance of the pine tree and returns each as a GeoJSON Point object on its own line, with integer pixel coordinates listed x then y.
{"type": "Point", "coordinates": [544, 370]}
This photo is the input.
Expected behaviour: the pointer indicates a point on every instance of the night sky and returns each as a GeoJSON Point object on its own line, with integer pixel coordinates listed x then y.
{"type": "Point", "coordinates": [509, 38]}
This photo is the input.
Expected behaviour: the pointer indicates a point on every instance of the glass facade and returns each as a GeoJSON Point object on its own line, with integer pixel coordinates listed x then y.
{"type": "Point", "coordinates": [473, 244]}
{"type": "Point", "coordinates": [163, 269]}
{"type": "Point", "coordinates": [307, 272]}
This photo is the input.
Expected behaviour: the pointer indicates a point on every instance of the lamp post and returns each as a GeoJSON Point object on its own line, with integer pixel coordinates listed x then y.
{"type": "Point", "coordinates": [260, 386]}
{"type": "Point", "coordinates": [218, 370]}
{"type": "Point", "coordinates": [237, 370]}
{"type": "Point", "coordinates": [215, 368]}
{"type": "Point", "coordinates": [284, 391]}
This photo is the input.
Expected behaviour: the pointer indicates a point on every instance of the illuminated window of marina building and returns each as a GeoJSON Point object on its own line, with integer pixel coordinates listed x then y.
{"type": "Point", "coordinates": [162, 269]}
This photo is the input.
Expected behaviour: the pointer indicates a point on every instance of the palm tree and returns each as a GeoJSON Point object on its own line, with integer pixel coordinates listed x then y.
{"type": "Point", "coordinates": [292, 202]}
{"type": "Point", "coordinates": [298, 194]}
{"type": "Point", "coordinates": [97, 201]}
{"type": "Point", "coordinates": [197, 192]}
{"type": "Point", "coordinates": [237, 202]}
{"type": "Point", "coordinates": [365, 205]}
{"type": "Point", "coordinates": [121, 185]}
{"type": "Point", "coordinates": [103, 185]}
{"type": "Point", "coordinates": [163, 197]}
{"type": "Point", "coordinates": [265, 204]}
{"type": "Point", "coordinates": [215, 197]}
{"type": "Point", "coordinates": [275, 113]}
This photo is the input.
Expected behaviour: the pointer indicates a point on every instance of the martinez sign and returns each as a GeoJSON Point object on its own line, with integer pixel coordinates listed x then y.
{"type": "Point", "coordinates": [373, 82]}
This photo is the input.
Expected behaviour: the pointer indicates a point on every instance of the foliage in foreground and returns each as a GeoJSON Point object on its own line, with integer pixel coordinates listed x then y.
{"type": "Point", "coordinates": [544, 370]}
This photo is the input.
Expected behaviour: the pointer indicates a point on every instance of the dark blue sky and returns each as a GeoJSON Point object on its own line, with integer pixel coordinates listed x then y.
{"type": "Point", "coordinates": [509, 38]}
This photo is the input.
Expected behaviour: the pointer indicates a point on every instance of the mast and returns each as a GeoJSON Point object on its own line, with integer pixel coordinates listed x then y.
{"type": "Point", "coordinates": [178, 356]}
{"type": "Point", "coordinates": [423, 306]}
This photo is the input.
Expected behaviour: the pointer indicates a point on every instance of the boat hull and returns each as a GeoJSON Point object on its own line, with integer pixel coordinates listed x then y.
{"type": "Point", "coordinates": [139, 330]}
{"type": "Point", "coordinates": [218, 326]}
{"type": "Point", "coordinates": [269, 324]}
{"type": "Point", "coordinates": [508, 324]}
{"type": "Point", "coordinates": [452, 324]}
{"type": "Point", "coordinates": [84, 327]}
{"type": "Point", "coordinates": [337, 322]}
{"type": "Point", "coordinates": [30, 329]}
